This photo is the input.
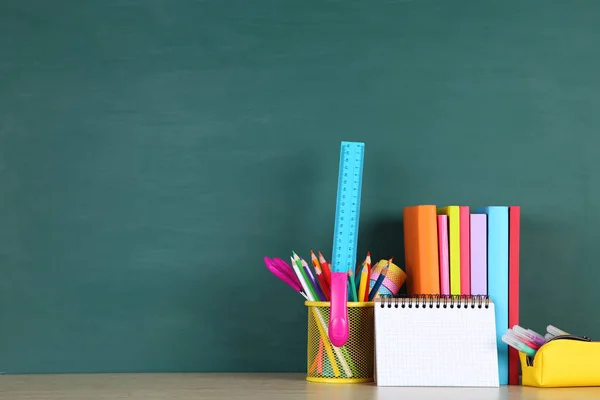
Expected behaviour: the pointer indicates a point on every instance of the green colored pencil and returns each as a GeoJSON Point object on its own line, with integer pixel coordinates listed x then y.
{"type": "Point", "coordinates": [348, 358]}
{"type": "Point", "coordinates": [305, 276]}
{"type": "Point", "coordinates": [352, 285]}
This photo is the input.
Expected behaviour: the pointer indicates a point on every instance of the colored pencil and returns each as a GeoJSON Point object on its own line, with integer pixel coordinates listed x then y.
{"type": "Point", "coordinates": [323, 283]}
{"type": "Point", "coordinates": [364, 278]}
{"type": "Point", "coordinates": [300, 276]}
{"type": "Point", "coordinates": [357, 279]}
{"type": "Point", "coordinates": [313, 366]}
{"type": "Point", "coordinates": [349, 359]}
{"type": "Point", "coordinates": [313, 281]}
{"type": "Point", "coordinates": [320, 357]}
{"type": "Point", "coordinates": [314, 260]}
{"type": "Point", "coordinates": [351, 286]}
{"type": "Point", "coordinates": [325, 268]}
{"type": "Point", "coordinates": [379, 281]}
{"type": "Point", "coordinates": [368, 266]}
{"type": "Point", "coordinates": [359, 267]}
{"type": "Point", "coordinates": [309, 285]}
{"type": "Point", "coordinates": [320, 276]}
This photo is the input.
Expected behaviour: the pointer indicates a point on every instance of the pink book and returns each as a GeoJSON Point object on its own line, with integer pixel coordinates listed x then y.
{"type": "Point", "coordinates": [465, 250]}
{"type": "Point", "coordinates": [514, 238]}
{"type": "Point", "coordinates": [479, 254]}
{"type": "Point", "coordinates": [443, 254]}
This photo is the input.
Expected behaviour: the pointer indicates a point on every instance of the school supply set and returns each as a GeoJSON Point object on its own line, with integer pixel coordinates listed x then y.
{"type": "Point", "coordinates": [342, 292]}
{"type": "Point", "coordinates": [557, 359]}
{"type": "Point", "coordinates": [462, 281]}
{"type": "Point", "coordinates": [324, 360]}
{"type": "Point", "coordinates": [352, 362]}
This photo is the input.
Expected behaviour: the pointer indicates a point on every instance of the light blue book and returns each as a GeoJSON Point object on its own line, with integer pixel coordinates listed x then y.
{"type": "Point", "coordinates": [497, 242]}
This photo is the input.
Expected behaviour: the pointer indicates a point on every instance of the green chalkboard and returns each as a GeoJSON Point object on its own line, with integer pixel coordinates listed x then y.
{"type": "Point", "coordinates": [152, 152]}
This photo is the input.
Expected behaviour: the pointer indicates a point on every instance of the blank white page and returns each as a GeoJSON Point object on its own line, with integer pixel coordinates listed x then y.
{"type": "Point", "coordinates": [435, 346]}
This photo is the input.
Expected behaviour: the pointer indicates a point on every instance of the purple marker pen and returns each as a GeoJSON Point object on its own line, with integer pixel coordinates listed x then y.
{"type": "Point", "coordinates": [532, 336]}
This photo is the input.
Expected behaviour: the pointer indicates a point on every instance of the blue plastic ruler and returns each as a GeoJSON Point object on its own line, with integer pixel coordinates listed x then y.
{"type": "Point", "coordinates": [347, 208]}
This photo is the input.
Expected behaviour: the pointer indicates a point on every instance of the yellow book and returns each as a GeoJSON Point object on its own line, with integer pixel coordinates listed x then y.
{"type": "Point", "coordinates": [453, 213]}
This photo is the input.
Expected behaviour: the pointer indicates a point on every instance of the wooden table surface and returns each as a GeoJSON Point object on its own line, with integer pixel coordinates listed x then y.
{"type": "Point", "coordinates": [247, 387]}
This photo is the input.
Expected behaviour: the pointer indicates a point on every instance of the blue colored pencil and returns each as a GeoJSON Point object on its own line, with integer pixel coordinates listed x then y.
{"type": "Point", "coordinates": [378, 282]}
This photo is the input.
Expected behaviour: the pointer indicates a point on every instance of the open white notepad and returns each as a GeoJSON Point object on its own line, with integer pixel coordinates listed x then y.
{"type": "Point", "coordinates": [435, 341]}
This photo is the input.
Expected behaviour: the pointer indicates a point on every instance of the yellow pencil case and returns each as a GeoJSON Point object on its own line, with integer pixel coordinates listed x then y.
{"type": "Point", "coordinates": [564, 361]}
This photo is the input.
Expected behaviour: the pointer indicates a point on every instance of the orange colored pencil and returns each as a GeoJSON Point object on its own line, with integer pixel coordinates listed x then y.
{"type": "Point", "coordinates": [313, 366]}
{"type": "Point", "coordinates": [320, 357]}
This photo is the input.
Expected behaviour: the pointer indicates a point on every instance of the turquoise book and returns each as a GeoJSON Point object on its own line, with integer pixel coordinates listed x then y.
{"type": "Point", "coordinates": [497, 243]}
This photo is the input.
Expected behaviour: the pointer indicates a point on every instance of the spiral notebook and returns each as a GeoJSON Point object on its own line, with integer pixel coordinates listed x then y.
{"type": "Point", "coordinates": [435, 341]}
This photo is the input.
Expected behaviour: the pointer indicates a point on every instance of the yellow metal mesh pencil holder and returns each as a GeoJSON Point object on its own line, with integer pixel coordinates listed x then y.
{"type": "Point", "coordinates": [351, 363]}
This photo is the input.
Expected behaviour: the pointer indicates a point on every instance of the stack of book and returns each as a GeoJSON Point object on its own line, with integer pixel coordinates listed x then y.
{"type": "Point", "coordinates": [456, 252]}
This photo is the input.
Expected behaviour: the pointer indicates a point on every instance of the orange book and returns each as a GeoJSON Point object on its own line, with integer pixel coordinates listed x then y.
{"type": "Point", "coordinates": [421, 249]}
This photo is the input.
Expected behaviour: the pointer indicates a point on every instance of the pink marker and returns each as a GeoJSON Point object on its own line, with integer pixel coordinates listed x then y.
{"type": "Point", "coordinates": [523, 339]}
{"type": "Point", "coordinates": [531, 336]}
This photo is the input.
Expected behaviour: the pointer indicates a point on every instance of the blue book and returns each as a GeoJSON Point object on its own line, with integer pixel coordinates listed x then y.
{"type": "Point", "coordinates": [497, 241]}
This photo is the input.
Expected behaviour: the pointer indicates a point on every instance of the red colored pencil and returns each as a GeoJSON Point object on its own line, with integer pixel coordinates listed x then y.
{"type": "Point", "coordinates": [322, 281]}
{"type": "Point", "coordinates": [325, 268]}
